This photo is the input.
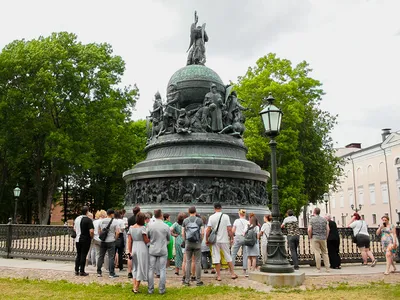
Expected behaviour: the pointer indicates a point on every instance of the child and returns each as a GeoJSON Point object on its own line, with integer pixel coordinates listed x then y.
{"type": "Point", "coordinates": [205, 252]}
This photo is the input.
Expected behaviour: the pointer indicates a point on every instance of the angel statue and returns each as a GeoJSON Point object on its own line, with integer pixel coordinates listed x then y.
{"type": "Point", "coordinates": [198, 37]}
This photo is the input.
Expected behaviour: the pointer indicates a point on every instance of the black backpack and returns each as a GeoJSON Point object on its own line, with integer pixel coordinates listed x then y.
{"type": "Point", "coordinates": [250, 237]}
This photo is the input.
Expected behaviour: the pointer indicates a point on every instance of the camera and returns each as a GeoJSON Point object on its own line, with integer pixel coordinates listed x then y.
{"type": "Point", "coordinates": [129, 256]}
{"type": "Point", "coordinates": [384, 224]}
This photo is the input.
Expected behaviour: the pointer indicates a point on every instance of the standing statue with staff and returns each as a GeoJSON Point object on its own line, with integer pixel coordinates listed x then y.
{"type": "Point", "coordinates": [198, 38]}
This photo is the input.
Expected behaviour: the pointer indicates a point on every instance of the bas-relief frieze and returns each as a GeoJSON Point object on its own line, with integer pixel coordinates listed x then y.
{"type": "Point", "coordinates": [193, 190]}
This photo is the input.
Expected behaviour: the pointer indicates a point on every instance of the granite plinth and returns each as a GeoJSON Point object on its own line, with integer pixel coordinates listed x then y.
{"type": "Point", "coordinates": [279, 279]}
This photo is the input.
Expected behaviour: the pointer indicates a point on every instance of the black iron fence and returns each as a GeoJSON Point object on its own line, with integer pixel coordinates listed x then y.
{"type": "Point", "coordinates": [54, 242]}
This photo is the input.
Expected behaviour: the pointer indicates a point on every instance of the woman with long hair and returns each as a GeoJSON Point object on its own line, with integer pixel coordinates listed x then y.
{"type": "Point", "coordinates": [138, 251]}
{"type": "Point", "coordinates": [176, 231]}
{"type": "Point", "coordinates": [389, 243]}
{"type": "Point", "coordinates": [264, 234]}
{"type": "Point", "coordinates": [253, 251]}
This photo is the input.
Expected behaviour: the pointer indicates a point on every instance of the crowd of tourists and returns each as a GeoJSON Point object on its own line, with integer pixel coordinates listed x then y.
{"type": "Point", "coordinates": [198, 244]}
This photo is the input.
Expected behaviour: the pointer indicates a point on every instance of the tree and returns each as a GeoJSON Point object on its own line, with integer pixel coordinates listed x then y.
{"type": "Point", "coordinates": [307, 164]}
{"type": "Point", "coordinates": [61, 112]}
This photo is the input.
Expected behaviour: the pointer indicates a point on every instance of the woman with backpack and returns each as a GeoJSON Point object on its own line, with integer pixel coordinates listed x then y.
{"type": "Point", "coordinates": [252, 245]}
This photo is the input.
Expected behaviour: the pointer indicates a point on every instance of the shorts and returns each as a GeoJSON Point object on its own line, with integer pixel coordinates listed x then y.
{"type": "Point", "coordinates": [216, 252]}
{"type": "Point", "coordinates": [363, 241]}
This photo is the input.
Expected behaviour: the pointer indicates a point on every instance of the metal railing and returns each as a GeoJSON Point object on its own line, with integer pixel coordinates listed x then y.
{"type": "Point", "coordinates": [54, 242]}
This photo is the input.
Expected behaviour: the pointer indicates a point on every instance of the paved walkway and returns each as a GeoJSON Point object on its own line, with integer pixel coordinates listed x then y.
{"type": "Point", "coordinates": [350, 269]}
{"type": "Point", "coordinates": [58, 270]}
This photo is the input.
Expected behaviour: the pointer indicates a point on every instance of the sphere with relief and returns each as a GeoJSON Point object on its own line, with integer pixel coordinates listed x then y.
{"type": "Point", "coordinates": [194, 82]}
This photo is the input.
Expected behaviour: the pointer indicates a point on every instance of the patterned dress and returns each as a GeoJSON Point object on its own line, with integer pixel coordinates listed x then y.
{"type": "Point", "coordinates": [177, 229]}
{"type": "Point", "coordinates": [387, 238]}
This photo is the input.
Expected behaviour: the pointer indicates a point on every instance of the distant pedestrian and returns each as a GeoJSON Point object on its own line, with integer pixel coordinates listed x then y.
{"type": "Point", "coordinates": [193, 232]}
{"type": "Point", "coordinates": [176, 231]}
{"type": "Point", "coordinates": [293, 233]}
{"type": "Point", "coordinates": [333, 244]}
{"type": "Point", "coordinates": [108, 245]}
{"type": "Point", "coordinates": [167, 220]}
{"type": "Point", "coordinates": [205, 250]}
{"type": "Point", "coordinates": [119, 241]}
{"type": "Point", "coordinates": [84, 234]}
{"type": "Point", "coordinates": [100, 215]}
{"type": "Point", "coordinates": [318, 232]}
{"type": "Point", "coordinates": [138, 251]}
{"type": "Point", "coordinates": [253, 251]}
{"type": "Point", "coordinates": [159, 235]}
{"type": "Point", "coordinates": [239, 227]}
{"type": "Point", "coordinates": [224, 239]}
{"type": "Point", "coordinates": [131, 222]}
{"type": "Point", "coordinates": [363, 241]}
{"type": "Point", "coordinates": [389, 243]}
{"type": "Point", "coordinates": [264, 233]}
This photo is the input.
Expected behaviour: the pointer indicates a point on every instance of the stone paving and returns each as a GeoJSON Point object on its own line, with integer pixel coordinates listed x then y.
{"type": "Point", "coordinates": [56, 270]}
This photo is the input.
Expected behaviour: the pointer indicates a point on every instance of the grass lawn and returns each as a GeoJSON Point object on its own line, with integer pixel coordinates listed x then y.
{"type": "Point", "coordinates": [40, 289]}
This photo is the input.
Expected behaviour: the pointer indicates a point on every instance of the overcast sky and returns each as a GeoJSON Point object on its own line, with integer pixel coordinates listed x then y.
{"type": "Point", "coordinates": [353, 46]}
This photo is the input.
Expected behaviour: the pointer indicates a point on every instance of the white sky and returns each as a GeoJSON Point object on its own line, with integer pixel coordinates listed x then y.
{"type": "Point", "coordinates": [353, 46]}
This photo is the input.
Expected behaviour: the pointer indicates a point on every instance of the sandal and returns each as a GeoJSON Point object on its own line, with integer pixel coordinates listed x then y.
{"type": "Point", "coordinates": [386, 273]}
{"type": "Point", "coordinates": [234, 277]}
{"type": "Point", "coordinates": [218, 279]}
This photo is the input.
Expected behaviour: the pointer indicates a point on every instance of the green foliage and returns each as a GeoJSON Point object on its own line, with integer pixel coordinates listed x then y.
{"type": "Point", "coordinates": [306, 161]}
{"type": "Point", "coordinates": [63, 112]}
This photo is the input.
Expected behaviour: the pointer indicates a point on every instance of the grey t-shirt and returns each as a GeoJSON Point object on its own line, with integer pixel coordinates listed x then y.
{"type": "Point", "coordinates": [113, 228]}
{"type": "Point", "coordinates": [159, 235]}
{"type": "Point", "coordinates": [318, 225]}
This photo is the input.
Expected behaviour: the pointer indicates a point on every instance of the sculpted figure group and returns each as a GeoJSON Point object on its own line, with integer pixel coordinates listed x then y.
{"type": "Point", "coordinates": [214, 115]}
{"type": "Point", "coordinates": [191, 190]}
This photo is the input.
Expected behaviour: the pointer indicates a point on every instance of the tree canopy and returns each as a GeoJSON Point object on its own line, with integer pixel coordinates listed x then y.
{"type": "Point", "coordinates": [64, 115]}
{"type": "Point", "coordinates": [307, 164]}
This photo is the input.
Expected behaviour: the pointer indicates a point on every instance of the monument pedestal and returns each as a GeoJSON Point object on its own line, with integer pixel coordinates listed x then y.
{"type": "Point", "coordinates": [279, 279]}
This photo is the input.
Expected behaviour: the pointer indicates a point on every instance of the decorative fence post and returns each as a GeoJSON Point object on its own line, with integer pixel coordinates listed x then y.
{"type": "Point", "coordinates": [9, 238]}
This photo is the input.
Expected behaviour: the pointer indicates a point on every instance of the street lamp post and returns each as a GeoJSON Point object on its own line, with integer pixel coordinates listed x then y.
{"type": "Point", "coordinates": [354, 208]}
{"type": "Point", "coordinates": [326, 200]}
{"type": "Point", "coordinates": [277, 261]}
{"type": "Point", "coordinates": [17, 192]}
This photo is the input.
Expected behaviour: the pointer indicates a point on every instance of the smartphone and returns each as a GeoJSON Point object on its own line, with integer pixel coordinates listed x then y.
{"type": "Point", "coordinates": [384, 224]}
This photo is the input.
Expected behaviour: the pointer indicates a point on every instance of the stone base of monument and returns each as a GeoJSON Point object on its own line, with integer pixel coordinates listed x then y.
{"type": "Point", "coordinates": [278, 279]}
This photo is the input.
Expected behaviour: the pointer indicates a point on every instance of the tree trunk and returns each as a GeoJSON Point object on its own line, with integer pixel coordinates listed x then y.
{"type": "Point", "coordinates": [305, 216]}
{"type": "Point", "coordinates": [44, 213]}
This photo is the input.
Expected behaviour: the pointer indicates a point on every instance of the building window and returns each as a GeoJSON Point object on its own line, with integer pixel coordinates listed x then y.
{"type": "Point", "coordinates": [372, 194]}
{"type": "Point", "coordinates": [343, 220]}
{"type": "Point", "coordinates": [351, 196]}
{"type": "Point", "coordinates": [385, 194]}
{"type": "Point", "coordinates": [361, 195]}
{"type": "Point", "coordinates": [373, 218]}
{"type": "Point", "coordinates": [333, 202]}
{"type": "Point", "coordinates": [398, 173]}
{"type": "Point", "coordinates": [341, 200]}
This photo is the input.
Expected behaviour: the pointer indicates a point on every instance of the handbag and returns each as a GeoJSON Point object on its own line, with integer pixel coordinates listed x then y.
{"type": "Point", "coordinates": [212, 238]}
{"type": "Point", "coordinates": [354, 238]}
{"type": "Point", "coordinates": [73, 233]}
{"type": "Point", "coordinates": [104, 231]}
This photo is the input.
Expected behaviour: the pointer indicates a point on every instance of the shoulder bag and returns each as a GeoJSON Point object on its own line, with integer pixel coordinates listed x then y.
{"type": "Point", "coordinates": [104, 231]}
{"type": "Point", "coordinates": [212, 238]}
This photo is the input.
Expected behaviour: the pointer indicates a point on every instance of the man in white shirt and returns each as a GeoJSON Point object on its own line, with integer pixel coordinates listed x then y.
{"type": "Point", "coordinates": [224, 238]}
{"type": "Point", "coordinates": [239, 228]}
